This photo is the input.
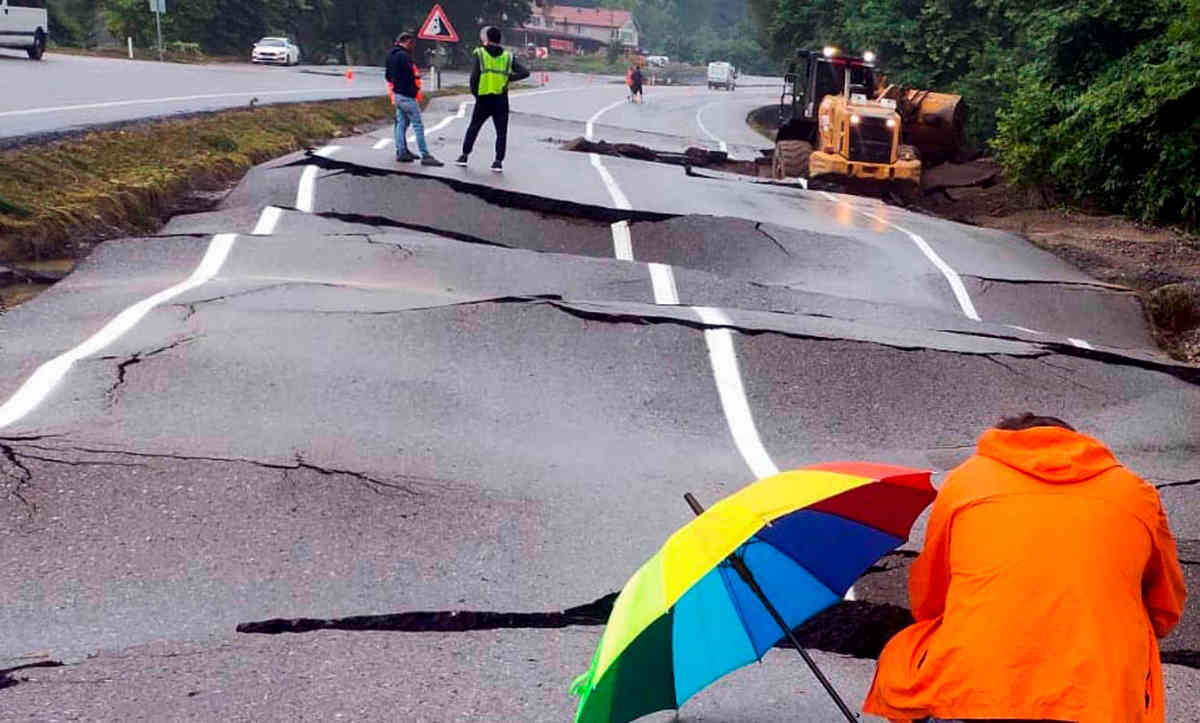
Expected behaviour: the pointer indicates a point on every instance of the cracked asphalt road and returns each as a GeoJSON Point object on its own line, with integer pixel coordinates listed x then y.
{"type": "Point", "coordinates": [440, 391]}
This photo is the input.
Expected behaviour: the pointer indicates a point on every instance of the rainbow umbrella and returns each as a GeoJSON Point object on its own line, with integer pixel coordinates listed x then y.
{"type": "Point", "coordinates": [729, 585]}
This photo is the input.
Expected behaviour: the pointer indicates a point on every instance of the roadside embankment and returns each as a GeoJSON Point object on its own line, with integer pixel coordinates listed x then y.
{"type": "Point", "coordinates": [58, 199]}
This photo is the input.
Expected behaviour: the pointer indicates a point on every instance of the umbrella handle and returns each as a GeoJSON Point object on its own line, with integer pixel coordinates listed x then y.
{"type": "Point", "coordinates": [744, 572]}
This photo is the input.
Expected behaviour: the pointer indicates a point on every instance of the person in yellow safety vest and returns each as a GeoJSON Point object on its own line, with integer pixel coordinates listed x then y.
{"type": "Point", "coordinates": [493, 70]}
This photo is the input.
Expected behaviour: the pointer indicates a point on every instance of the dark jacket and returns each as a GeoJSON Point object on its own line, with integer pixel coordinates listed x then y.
{"type": "Point", "coordinates": [638, 78]}
{"type": "Point", "coordinates": [519, 72]}
{"type": "Point", "coordinates": [400, 72]}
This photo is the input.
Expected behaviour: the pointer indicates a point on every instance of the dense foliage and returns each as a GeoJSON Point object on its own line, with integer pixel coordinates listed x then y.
{"type": "Point", "coordinates": [1093, 99]}
{"type": "Point", "coordinates": [359, 31]}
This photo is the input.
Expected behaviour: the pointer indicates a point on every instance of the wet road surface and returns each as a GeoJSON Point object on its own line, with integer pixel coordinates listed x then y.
{"type": "Point", "coordinates": [364, 388]}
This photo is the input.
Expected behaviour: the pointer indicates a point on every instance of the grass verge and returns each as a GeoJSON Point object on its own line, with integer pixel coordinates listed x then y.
{"type": "Point", "coordinates": [59, 198]}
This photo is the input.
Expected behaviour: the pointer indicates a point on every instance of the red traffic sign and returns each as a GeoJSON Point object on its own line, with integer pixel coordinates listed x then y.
{"type": "Point", "coordinates": [437, 27]}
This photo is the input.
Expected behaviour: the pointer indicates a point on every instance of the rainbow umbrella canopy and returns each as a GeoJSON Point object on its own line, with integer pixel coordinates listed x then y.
{"type": "Point", "coordinates": [691, 614]}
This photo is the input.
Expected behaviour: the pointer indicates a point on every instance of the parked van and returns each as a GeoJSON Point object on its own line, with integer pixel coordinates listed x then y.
{"type": "Point", "coordinates": [24, 25]}
{"type": "Point", "coordinates": [722, 75]}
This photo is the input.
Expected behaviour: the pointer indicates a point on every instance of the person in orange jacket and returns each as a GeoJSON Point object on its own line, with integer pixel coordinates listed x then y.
{"type": "Point", "coordinates": [1047, 576]}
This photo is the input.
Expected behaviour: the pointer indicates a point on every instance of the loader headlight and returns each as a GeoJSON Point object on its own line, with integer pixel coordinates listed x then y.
{"type": "Point", "coordinates": [830, 51]}
{"type": "Point", "coordinates": [891, 122]}
{"type": "Point", "coordinates": [855, 120]}
{"type": "Point", "coordinates": [869, 56]}
{"type": "Point", "coordinates": [906, 154]}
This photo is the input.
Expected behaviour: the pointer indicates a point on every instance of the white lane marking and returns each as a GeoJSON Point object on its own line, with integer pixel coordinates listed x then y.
{"type": "Point", "coordinates": [618, 196]}
{"type": "Point", "coordinates": [622, 241]}
{"type": "Point", "coordinates": [383, 144]}
{"type": "Point", "coordinates": [591, 122]}
{"type": "Point", "coordinates": [48, 375]}
{"type": "Point", "coordinates": [1081, 343]}
{"type": "Point", "coordinates": [173, 99]}
{"type": "Point", "coordinates": [267, 221]}
{"type": "Point", "coordinates": [952, 277]}
{"type": "Point", "coordinates": [733, 395]}
{"type": "Point", "coordinates": [1026, 329]}
{"type": "Point", "coordinates": [707, 132]}
{"type": "Point", "coordinates": [306, 192]}
{"type": "Point", "coordinates": [662, 278]}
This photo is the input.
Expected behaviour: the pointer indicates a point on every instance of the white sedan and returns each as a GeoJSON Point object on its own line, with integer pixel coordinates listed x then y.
{"type": "Point", "coordinates": [276, 50]}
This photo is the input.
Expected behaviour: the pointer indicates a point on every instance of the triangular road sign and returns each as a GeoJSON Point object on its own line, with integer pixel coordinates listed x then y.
{"type": "Point", "coordinates": [437, 27]}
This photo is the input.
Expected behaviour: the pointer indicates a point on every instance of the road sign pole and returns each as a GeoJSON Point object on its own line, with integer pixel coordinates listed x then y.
{"type": "Point", "coordinates": [158, 24]}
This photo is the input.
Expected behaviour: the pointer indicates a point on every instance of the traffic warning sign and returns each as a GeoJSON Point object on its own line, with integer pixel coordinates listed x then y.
{"type": "Point", "coordinates": [437, 27]}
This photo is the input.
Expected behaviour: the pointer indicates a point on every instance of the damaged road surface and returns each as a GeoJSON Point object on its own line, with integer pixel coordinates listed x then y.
{"type": "Point", "coordinates": [428, 422]}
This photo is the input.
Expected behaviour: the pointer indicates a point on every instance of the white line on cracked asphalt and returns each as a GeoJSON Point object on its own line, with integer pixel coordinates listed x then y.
{"type": "Point", "coordinates": [48, 375]}
{"type": "Point", "coordinates": [622, 241]}
{"type": "Point", "coordinates": [306, 192]}
{"type": "Point", "coordinates": [707, 132]}
{"type": "Point", "coordinates": [952, 277]}
{"type": "Point", "coordinates": [267, 221]}
{"type": "Point", "coordinates": [173, 99]}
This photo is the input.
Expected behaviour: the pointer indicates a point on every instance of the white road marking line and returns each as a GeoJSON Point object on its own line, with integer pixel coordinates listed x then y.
{"type": "Point", "coordinates": [618, 196]}
{"type": "Point", "coordinates": [173, 99]}
{"type": "Point", "coordinates": [952, 277]}
{"type": "Point", "coordinates": [622, 241]}
{"type": "Point", "coordinates": [1026, 329]}
{"type": "Point", "coordinates": [591, 122]}
{"type": "Point", "coordinates": [733, 395]}
{"type": "Point", "coordinates": [267, 221]}
{"type": "Point", "coordinates": [707, 132]}
{"type": "Point", "coordinates": [48, 375]}
{"type": "Point", "coordinates": [1081, 343]}
{"type": "Point", "coordinates": [662, 278]}
{"type": "Point", "coordinates": [306, 192]}
{"type": "Point", "coordinates": [382, 144]}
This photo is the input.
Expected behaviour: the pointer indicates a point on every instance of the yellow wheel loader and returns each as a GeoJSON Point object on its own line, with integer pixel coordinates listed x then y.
{"type": "Point", "coordinates": [838, 125]}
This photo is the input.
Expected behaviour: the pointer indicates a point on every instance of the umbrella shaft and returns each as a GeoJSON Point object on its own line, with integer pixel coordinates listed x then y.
{"type": "Point", "coordinates": [744, 573]}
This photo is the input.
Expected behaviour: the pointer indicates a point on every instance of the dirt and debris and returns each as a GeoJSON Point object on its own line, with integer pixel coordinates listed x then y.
{"type": "Point", "coordinates": [691, 157]}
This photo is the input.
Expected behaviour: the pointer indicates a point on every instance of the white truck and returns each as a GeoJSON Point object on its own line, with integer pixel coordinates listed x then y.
{"type": "Point", "coordinates": [24, 25]}
{"type": "Point", "coordinates": [722, 75]}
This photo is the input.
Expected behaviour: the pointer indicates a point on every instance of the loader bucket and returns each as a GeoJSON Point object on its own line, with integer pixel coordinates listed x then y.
{"type": "Point", "coordinates": [935, 123]}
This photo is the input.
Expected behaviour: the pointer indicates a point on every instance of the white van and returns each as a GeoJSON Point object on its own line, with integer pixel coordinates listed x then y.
{"type": "Point", "coordinates": [24, 25]}
{"type": "Point", "coordinates": [722, 75]}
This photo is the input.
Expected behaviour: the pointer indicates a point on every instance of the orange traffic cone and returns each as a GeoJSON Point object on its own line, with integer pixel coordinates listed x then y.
{"type": "Point", "coordinates": [350, 74]}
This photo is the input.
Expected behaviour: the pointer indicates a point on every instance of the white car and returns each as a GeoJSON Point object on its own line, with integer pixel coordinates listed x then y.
{"type": "Point", "coordinates": [24, 25]}
{"type": "Point", "coordinates": [722, 75]}
{"type": "Point", "coordinates": [276, 50]}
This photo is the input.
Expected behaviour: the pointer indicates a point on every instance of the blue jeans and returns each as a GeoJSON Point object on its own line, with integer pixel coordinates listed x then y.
{"type": "Point", "coordinates": [408, 111]}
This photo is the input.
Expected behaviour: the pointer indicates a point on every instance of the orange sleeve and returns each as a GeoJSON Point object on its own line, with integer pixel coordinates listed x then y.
{"type": "Point", "coordinates": [1163, 588]}
{"type": "Point", "coordinates": [929, 577]}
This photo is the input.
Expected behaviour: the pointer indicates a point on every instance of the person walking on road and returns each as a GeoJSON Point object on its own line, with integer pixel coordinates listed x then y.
{"type": "Point", "coordinates": [491, 74]}
{"type": "Point", "coordinates": [635, 85]}
{"type": "Point", "coordinates": [402, 76]}
{"type": "Point", "coordinates": [1047, 577]}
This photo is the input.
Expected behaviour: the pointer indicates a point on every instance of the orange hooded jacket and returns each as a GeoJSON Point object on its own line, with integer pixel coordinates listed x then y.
{"type": "Point", "coordinates": [1048, 573]}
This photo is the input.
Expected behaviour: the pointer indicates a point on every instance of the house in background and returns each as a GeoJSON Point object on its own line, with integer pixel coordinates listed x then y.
{"type": "Point", "coordinates": [570, 29]}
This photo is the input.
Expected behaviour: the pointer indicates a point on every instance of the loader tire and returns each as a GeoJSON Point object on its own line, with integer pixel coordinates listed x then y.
{"type": "Point", "coordinates": [791, 159]}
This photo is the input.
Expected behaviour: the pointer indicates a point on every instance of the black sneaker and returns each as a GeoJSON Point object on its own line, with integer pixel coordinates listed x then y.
{"type": "Point", "coordinates": [462, 160]}
{"type": "Point", "coordinates": [406, 157]}
{"type": "Point", "coordinates": [497, 166]}
{"type": "Point", "coordinates": [431, 161]}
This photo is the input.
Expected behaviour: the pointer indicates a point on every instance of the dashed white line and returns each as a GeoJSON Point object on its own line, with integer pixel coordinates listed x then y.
{"type": "Point", "coordinates": [622, 241]}
{"type": "Point", "coordinates": [707, 132]}
{"type": "Point", "coordinates": [733, 395]}
{"type": "Point", "coordinates": [1081, 343]}
{"type": "Point", "coordinates": [662, 278]}
{"type": "Point", "coordinates": [618, 196]}
{"type": "Point", "coordinates": [384, 143]}
{"type": "Point", "coordinates": [48, 375]}
{"type": "Point", "coordinates": [306, 191]}
{"type": "Point", "coordinates": [267, 221]}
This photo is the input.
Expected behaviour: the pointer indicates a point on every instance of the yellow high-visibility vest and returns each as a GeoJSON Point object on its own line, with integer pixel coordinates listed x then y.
{"type": "Point", "coordinates": [493, 71]}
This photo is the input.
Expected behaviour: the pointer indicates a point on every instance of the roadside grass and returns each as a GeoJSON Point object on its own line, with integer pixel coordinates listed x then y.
{"type": "Point", "coordinates": [58, 199]}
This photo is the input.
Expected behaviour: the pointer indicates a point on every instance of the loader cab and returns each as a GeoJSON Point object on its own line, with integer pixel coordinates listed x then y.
{"type": "Point", "coordinates": [812, 77]}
